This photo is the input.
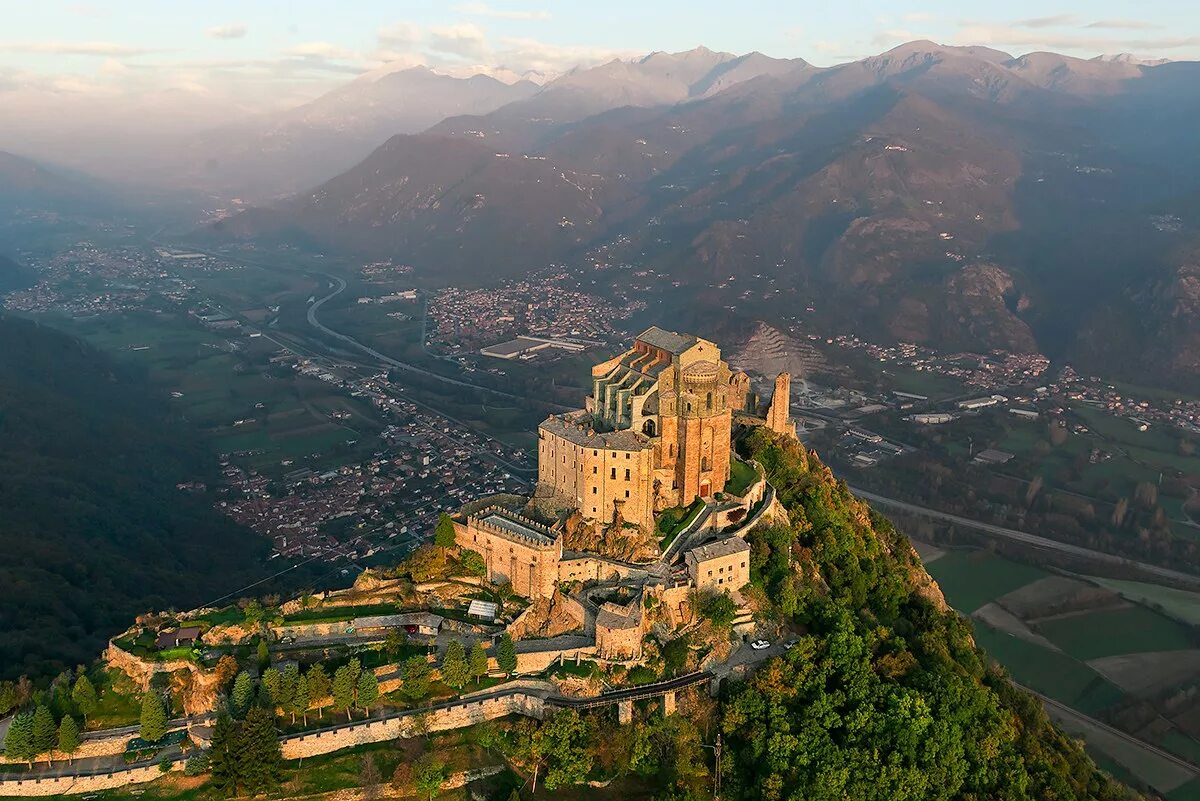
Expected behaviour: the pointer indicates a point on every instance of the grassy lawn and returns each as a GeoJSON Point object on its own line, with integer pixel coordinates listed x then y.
{"type": "Point", "coordinates": [337, 614]}
{"type": "Point", "coordinates": [120, 703]}
{"type": "Point", "coordinates": [970, 579]}
{"type": "Point", "coordinates": [741, 477]}
{"type": "Point", "coordinates": [673, 521]}
{"type": "Point", "coordinates": [1051, 673]}
{"type": "Point", "coordinates": [1131, 630]}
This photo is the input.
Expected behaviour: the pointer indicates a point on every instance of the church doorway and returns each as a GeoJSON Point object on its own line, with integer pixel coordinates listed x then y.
{"type": "Point", "coordinates": [705, 488]}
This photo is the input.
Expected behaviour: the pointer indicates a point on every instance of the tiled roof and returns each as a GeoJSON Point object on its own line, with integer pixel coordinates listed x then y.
{"type": "Point", "coordinates": [725, 547]}
{"type": "Point", "coordinates": [581, 433]}
{"type": "Point", "coordinates": [667, 340]}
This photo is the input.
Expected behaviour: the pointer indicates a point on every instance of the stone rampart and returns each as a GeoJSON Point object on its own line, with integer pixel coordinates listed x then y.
{"type": "Point", "coordinates": [455, 715]}
{"type": "Point", "coordinates": [73, 785]}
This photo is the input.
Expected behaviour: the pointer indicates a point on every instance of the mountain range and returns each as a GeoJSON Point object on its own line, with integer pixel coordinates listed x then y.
{"type": "Point", "coordinates": [955, 196]}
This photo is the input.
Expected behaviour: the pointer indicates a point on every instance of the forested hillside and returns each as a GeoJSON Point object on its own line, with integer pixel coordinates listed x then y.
{"type": "Point", "coordinates": [886, 697]}
{"type": "Point", "coordinates": [92, 527]}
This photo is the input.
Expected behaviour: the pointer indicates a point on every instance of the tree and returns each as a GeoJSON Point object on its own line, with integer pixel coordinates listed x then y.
{"type": "Point", "coordinates": [455, 671]}
{"type": "Point", "coordinates": [260, 757]}
{"type": "Point", "coordinates": [368, 691]}
{"type": "Point", "coordinates": [225, 671]}
{"type": "Point", "coordinates": [264, 655]}
{"type": "Point", "coordinates": [288, 681]}
{"type": "Point", "coordinates": [300, 699]}
{"type": "Point", "coordinates": [477, 664]}
{"type": "Point", "coordinates": [719, 609]}
{"type": "Point", "coordinates": [154, 718]}
{"type": "Point", "coordinates": [84, 695]}
{"type": "Point", "coordinates": [272, 686]}
{"type": "Point", "coordinates": [45, 731]}
{"type": "Point", "coordinates": [224, 755]}
{"type": "Point", "coordinates": [506, 654]}
{"type": "Point", "coordinates": [369, 776]}
{"type": "Point", "coordinates": [318, 686]}
{"type": "Point", "coordinates": [416, 678]}
{"type": "Point", "coordinates": [18, 742]}
{"type": "Point", "coordinates": [345, 685]}
{"type": "Point", "coordinates": [429, 775]}
{"type": "Point", "coordinates": [68, 737]}
{"type": "Point", "coordinates": [564, 741]}
{"type": "Point", "coordinates": [443, 534]}
{"type": "Point", "coordinates": [471, 563]}
{"type": "Point", "coordinates": [394, 642]}
{"type": "Point", "coordinates": [243, 694]}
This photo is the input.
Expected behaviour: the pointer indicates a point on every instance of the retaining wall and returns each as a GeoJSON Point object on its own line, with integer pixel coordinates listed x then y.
{"type": "Point", "coordinates": [71, 785]}
{"type": "Point", "coordinates": [463, 713]}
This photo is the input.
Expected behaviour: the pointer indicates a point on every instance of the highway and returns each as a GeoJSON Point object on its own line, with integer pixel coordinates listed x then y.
{"type": "Point", "coordinates": [339, 285]}
{"type": "Point", "coordinates": [1034, 540]}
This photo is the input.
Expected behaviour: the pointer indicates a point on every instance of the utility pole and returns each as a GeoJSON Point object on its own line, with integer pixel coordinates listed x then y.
{"type": "Point", "coordinates": [717, 778]}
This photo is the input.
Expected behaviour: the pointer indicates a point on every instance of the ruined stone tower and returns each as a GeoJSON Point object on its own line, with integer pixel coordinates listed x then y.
{"type": "Point", "coordinates": [778, 415]}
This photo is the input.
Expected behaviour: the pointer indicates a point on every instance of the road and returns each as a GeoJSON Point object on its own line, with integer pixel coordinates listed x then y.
{"type": "Point", "coordinates": [1034, 540]}
{"type": "Point", "coordinates": [339, 285]}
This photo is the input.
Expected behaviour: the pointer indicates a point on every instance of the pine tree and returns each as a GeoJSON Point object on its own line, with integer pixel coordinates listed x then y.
{"type": "Point", "coordinates": [506, 654]}
{"type": "Point", "coordinates": [318, 686]}
{"type": "Point", "coordinates": [223, 755]}
{"type": "Point", "coordinates": [416, 678]}
{"type": "Point", "coordinates": [18, 743]}
{"type": "Point", "coordinates": [300, 699]}
{"type": "Point", "coordinates": [345, 684]}
{"type": "Point", "coordinates": [272, 685]}
{"type": "Point", "coordinates": [288, 681]}
{"type": "Point", "coordinates": [260, 755]}
{"type": "Point", "coordinates": [478, 662]}
{"type": "Point", "coordinates": [45, 731]}
{"type": "Point", "coordinates": [455, 671]}
{"type": "Point", "coordinates": [68, 737]}
{"type": "Point", "coordinates": [154, 718]}
{"type": "Point", "coordinates": [84, 695]}
{"type": "Point", "coordinates": [443, 534]}
{"type": "Point", "coordinates": [368, 691]}
{"type": "Point", "coordinates": [243, 694]}
{"type": "Point", "coordinates": [264, 655]}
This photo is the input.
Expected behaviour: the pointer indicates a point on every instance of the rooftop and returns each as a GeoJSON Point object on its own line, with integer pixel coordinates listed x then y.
{"type": "Point", "coordinates": [506, 523]}
{"type": "Point", "coordinates": [667, 340]}
{"type": "Point", "coordinates": [713, 550]}
{"type": "Point", "coordinates": [579, 430]}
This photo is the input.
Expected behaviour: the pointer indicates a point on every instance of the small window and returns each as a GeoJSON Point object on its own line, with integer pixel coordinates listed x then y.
{"type": "Point", "coordinates": [710, 574]}
{"type": "Point", "coordinates": [593, 510]}
{"type": "Point", "coordinates": [709, 400]}
{"type": "Point", "coordinates": [614, 472]}
{"type": "Point", "coordinates": [626, 473]}
{"type": "Point", "coordinates": [595, 470]}
{"type": "Point", "coordinates": [720, 581]}
{"type": "Point", "coordinates": [594, 490]}
{"type": "Point", "coordinates": [626, 493]}
{"type": "Point", "coordinates": [595, 453]}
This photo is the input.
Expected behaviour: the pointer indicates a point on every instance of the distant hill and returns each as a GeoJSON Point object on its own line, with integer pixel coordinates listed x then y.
{"type": "Point", "coordinates": [275, 155]}
{"type": "Point", "coordinates": [954, 196]}
{"type": "Point", "coordinates": [93, 528]}
{"type": "Point", "coordinates": [29, 185]}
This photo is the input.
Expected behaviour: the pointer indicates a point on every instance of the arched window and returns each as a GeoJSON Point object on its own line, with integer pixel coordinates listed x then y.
{"type": "Point", "coordinates": [708, 400]}
{"type": "Point", "coordinates": [648, 428]}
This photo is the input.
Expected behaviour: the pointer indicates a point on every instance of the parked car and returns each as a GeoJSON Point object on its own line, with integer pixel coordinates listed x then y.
{"type": "Point", "coordinates": [759, 645]}
{"type": "Point", "coordinates": [790, 644]}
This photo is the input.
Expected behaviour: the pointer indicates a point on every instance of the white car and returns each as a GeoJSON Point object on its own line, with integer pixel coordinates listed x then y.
{"type": "Point", "coordinates": [759, 645]}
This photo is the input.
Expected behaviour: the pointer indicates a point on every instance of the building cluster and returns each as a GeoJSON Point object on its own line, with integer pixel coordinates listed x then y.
{"type": "Point", "coordinates": [655, 435]}
{"type": "Point", "coordinates": [548, 305]}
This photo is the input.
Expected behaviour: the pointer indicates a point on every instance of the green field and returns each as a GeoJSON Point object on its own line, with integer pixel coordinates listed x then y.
{"type": "Point", "coordinates": [1053, 674]}
{"type": "Point", "coordinates": [1109, 632]}
{"type": "Point", "coordinates": [970, 579]}
{"type": "Point", "coordinates": [1180, 605]}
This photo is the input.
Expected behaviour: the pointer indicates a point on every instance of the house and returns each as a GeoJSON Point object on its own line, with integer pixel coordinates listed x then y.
{"type": "Point", "coordinates": [174, 639]}
{"type": "Point", "coordinates": [721, 565]}
{"type": "Point", "coordinates": [482, 610]}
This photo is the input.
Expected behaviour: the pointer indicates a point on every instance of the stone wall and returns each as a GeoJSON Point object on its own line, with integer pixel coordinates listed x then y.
{"type": "Point", "coordinates": [597, 568]}
{"type": "Point", "coordinates": [201, 693]}
{"type": "Point", "coordinates": [453, 716]}
{"type": "Point", "coordinates": [73, 785]}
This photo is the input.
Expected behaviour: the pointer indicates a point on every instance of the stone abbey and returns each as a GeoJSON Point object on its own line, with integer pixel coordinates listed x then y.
{"type": "Point", "coordinates": [655, 432]}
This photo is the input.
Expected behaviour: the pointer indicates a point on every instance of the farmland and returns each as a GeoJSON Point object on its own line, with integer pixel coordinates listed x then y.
{"type": "Point", "coordinates": [1121, 654]}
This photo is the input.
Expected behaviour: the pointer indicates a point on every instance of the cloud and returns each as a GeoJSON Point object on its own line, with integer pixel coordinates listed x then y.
{"type": "Point", "coordinates": [465, 41]}
{"type": "Point", "coordinates": [894, 35]}
{"type": "Point", "coordinates": [1055, 21]}
{"type": "Point", "coordinates": [320, 50]}
{"type": "Point", "coordinates": [1123, 24]}
{"type": "Point", "coordinates": [58, 48]}
{"type": "Point", "coordinates": [1008, 35]}
{"type": "Point", "coordinates": [399, 35]}
{"type": "Point", "coordinates": [484, 10]}
{"type": "Point", "coordinates": [234, 30]}
{"type": "Point", "coordinates": [919, 16]}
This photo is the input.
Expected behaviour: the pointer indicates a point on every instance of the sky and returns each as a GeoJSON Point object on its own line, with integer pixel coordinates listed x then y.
{"type": "Point", "coordinates": [219, 58]}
